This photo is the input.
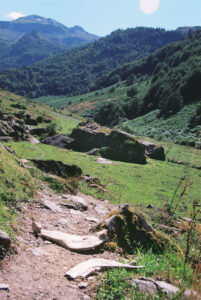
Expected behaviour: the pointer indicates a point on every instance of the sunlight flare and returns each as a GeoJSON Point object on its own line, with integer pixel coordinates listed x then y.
{"type": "Point", "coordinates": [149, 6]}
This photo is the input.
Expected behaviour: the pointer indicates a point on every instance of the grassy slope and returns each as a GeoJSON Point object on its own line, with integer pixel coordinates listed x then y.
{"type": "Point", "coordinates": [16, 185]}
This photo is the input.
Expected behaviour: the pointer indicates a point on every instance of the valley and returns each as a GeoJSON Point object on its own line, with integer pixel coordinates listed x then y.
{"type": "Point", "coordinates": [100, 162]}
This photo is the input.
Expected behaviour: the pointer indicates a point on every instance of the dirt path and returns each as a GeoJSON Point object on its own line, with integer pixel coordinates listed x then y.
{"type": "Point", "coordinates": [37, 270]}
{"type": "Point", "coordinates": [35, 142]}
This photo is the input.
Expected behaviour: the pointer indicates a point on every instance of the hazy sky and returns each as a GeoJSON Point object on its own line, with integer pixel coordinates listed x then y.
{"type": "Point", "coordinates": [103, 16]}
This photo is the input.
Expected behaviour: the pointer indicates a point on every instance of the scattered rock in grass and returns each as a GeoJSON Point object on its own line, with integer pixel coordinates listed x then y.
{"type": "Point", "coordinates": [102, 160]}
{"type": "Point", "coordinates": [5, 243]}
{"type": "Point", "coordinates": [51, 206]}
{"type": "Point", "coordinates": [33, 140]}
{"type": "Point", "coordinates": [94, 151]}
{"type": "Point", "coordinates": [168, 229]}
{"type": "Point", "coordinates": [4, 287]}
{"type": "Point", "coordinates": [10, 150]}
{"type": "Point", "coordinates": [151, 286]}
{"type": "Point", "coordinates": [89, 267]}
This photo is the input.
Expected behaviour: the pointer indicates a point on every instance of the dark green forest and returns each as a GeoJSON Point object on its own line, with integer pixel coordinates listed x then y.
{"type": "Point", "coordinates": [74, 72]}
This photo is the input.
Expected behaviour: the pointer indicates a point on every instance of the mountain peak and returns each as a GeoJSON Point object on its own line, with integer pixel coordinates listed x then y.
{"type": "Point", "coordinates": [37, 19]}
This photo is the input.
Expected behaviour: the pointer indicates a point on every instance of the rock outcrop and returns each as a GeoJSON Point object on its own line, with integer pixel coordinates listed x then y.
{"type": "Point", "coordinates": [127, 230]}
{"type": "Point", "coordinates": [60, 141]}
{"type": "Point", "coordinates": [58, 168]}
{"type": "Point", "coordinates": [154, 151]}
{"type": "Point", "coordinates": [12, 128]}
{"type": "Point", "coordinates": [114, 144]}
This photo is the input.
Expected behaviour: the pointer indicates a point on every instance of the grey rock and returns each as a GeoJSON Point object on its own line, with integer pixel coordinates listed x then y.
{"type": "Point", "coordinates": [151, 286]}
{"type": "Point", "coordinates": [60, 141]}
{"type": "Point", "coordinates": [85, 297]}
{"type": "Point", "coordinates": [53, 207]}
{"type": "Point", "coordinates": [5, 243]}
{"type": "Point", "coordinates": [63, 222]}
{"type": "Point", "coordinates": [100, 209]}
{"type": "Point", "coordinates": [39, 252]}
{"type": "Point", "coordinates": [92, 219]}
{"type": "Point", "coordinates": [154, 151]}
{"type": "Point", "coordinates": [83, 285]}
{"type": "Point", "coordinates": [36, 227]}
{"type": "Point", "coordinates": [4, 287]}
{"type": "Point", "coordinates": [75, 202]}
{"type": "Point", "coordinates": [94, 151]}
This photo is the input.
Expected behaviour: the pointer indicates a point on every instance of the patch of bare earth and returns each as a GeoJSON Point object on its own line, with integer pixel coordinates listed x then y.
{"type": "Point", "coordinates": [37, 270]}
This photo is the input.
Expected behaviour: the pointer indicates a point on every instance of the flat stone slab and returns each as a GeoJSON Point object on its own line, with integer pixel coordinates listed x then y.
{"type": "Point", "coordinates": [50, 205]}
{"type": "Point", "coordinates": [4, 287]}
{"type": "Point", "coordinates": [90, 266]}
{"type": "Point", "coordinates": [76, 242]}
{"type": "Point", "coordinates": [102, 160]}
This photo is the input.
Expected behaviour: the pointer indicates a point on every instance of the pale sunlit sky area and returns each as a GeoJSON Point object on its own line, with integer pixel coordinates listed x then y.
{"type": "Point", "coordinates": [101, 17]}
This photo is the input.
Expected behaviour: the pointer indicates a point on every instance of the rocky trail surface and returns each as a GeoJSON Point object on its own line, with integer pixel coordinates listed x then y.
{"type": "Point", "coordinates": [37, 270]}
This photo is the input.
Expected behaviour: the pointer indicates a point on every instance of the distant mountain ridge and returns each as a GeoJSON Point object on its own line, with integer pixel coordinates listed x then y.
{"type": "Point", "coordinates": [49, 33]}
{"type": "Point", "coordinates": [48, 28]}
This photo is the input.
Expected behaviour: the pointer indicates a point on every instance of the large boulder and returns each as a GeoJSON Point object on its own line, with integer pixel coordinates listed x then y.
{"type": "Point", "coordinates": [124, 147]}
{"type": "Point", "coordinates": [5, 242]}
{"type": "Point", "coordinates": [88, 137]}
{"type": "Point", "coordinates": [127, 230]}
{"type": "Point", "coordinates": [154, 151]}
{"type": "Point", "coordinates": [115, 144]}
{"type": "Point", "coordinates": [60, 141]}
{"type": "Point", "coordinates": [58, 168]}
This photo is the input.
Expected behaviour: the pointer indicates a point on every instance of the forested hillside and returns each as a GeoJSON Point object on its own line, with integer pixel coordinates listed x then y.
{"type": "Point", "coordinates": [75, 71]}
{"type": "Point", "coordinates": [171, 79]}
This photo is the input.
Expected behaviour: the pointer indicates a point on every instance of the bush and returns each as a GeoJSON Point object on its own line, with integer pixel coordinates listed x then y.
{"type": "Point", "coordinates": [132, 92]}
{"type": "Point", "coordinates": [106, 152]}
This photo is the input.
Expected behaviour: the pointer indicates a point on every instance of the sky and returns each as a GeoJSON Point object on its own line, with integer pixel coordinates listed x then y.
{"type": "Point", "coordinates": [101, 17]}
